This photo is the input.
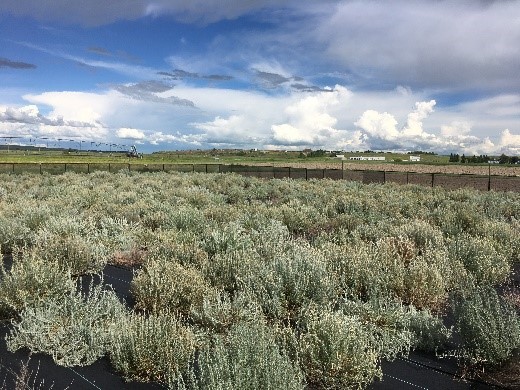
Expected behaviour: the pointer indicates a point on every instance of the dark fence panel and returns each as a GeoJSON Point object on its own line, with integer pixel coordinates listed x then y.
{"type": "Point", "coordinates": [315, 174]}
{"type": "Point", "coordinates": [282, 172]}
{"type": "Point", "coordinates": [27, 168]}
{"type": "Point", "coordinates": [422, 179]}
{"type": "Point", "coordinates": [448, 181]}
{"type": "Point", "coordinates": [6, 168]}
{"type": "Point", "coordinates": [77, 167]}
{"type": "Point", "coordinates": [396, 177]}
{"type": "Point", "coordinates": [334, 174]}
{"type": "Point", "coordinates": [53, 169]}
{"type": "Point", "coordinates": [370, 177]}
{"type": "Point", "coordinates": [504, 183]}
{"type": "Point", "coordinates": [353, 175]}
{"type": "Point", "coordinates": [299, 173]}
{"type": "Point", "coordinates": [453, 182]}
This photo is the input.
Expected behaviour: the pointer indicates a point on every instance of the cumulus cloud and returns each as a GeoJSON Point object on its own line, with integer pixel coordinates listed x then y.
{"type": "Point", "coordinates": [456, 129]}
{"type": "Point", "coordinates": [510, 142]}
{"type": "Point", "coordinates": [129, 133]}
{"type": "Point", "coordinates": [234, 130]}
{"type": "Point", "coordinates": [27, 122]}
{"type": "Point", "coordinates": [30, 114]}
{"type": "Point", "coordinates": [414, 126]}
{"type": "Point", "coordinates": [379, 125]}
{"type": "Point", "coordinates": [309, 120]}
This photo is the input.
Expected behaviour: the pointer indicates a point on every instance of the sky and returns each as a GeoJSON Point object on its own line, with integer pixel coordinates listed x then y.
{"type": "Point", "coordinates": [394, 75]}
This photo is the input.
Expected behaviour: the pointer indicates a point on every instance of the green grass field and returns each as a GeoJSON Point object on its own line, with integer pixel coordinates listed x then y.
{"type": "Point", "coordinates": [195, 157]}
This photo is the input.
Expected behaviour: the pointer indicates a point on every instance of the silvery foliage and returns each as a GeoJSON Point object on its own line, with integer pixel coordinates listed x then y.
{"type": "Point", "coordinates": [74, 329]}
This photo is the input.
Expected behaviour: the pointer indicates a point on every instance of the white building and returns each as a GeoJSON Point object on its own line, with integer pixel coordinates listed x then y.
{"type": "Point", "coordinates": [367, 158]}
{"type": "Point", "coordinates": [415, 158]}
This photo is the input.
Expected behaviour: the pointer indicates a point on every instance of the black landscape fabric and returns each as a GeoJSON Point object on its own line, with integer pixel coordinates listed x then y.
{"type": "Point", "coordinates": [419, 371]}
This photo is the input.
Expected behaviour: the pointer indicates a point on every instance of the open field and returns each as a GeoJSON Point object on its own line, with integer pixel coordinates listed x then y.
{"type": "Point", "coordinates": [456, 169]}
{"type": "Point", "coordinates": [236, 282]}
{"type": "Point", "coordinates": [428, 164]}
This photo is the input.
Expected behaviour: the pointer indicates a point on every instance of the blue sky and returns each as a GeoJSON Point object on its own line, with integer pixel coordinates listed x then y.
{"type": "Point", "coordinates": [438, 76]}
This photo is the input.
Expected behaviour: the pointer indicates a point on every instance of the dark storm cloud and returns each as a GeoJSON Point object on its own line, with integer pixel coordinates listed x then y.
{"type": "Point", "coordinates": [6, 63]}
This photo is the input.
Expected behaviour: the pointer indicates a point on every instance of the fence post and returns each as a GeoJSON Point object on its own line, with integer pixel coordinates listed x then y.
{"type": "Point", "coordinates": [88, 167]}
{"type": "Point", "coordinates": [384, 177]}
{"type": "Point", "coordinates": [306, 174]}
{"type": "Point", "coordinates": [40, 168]}
{"type": "Point", "coordinates": [65, 167]}
{"type": "Point", "coordinates": [489, 177]}
{"type": "Point", "coordinates": [433, 178]}
{"type": "Point", "coordinates": [192, 168]}
{"type": "Point", "coordinates": [342, 170]}
{"type": "Point", "coordinates": [163, 167]}
{"type": "Point", "coordinates": [108, 167]}
{"type": "Point", "coordinates": [290, 177]}
{"type": "Point", "coordinates": [206, 168]}
{"type": "Point", "coordinates": [323, 174]}
{"type": "Point", "coordinates": [407, 182]}
{"type": "Point", "coordinates": [13, 167]}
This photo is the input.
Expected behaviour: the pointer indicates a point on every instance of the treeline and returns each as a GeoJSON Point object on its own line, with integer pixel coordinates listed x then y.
{"type": "Point", "coordinates": [484, 159]}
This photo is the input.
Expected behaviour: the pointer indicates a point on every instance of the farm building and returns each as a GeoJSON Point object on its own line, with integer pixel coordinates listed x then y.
{"type": "Point", "coordinates": [415, 158]}
{"type": "Point", "coordinates": [367, 158]}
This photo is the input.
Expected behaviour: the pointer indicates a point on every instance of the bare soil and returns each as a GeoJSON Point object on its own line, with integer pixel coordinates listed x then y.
{"type": "Point", "coordinates": [456, 169]}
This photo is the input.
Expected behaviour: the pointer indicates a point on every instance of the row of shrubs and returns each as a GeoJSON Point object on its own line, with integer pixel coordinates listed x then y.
{"type": "Point", "coordinates": [250, 283]}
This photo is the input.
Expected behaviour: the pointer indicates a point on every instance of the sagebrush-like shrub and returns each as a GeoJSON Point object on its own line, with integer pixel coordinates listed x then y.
{"type": "Point", "coordinates": [248, 358]}
{"type": "Point", "coordinates": [337, 352]}
{"type": "Point", "coordinates": [74, 330]}
{"type": "Point", "coordinates": [30, 282]}
{"type": "Point", "coordinates": [480, 258]}
{"type": "Point", "coordinates": [220, 311]}
{"type": "Point", "coordinates": [488, 325]}
{"type": "Point", "coordinates": [165, 285]}
{"type": "Point", "coordinates": [152, 348]}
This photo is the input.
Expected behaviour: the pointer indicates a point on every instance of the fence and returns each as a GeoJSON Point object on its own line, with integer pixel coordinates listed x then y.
{"type": "Point", "coordinates": [448, 181]}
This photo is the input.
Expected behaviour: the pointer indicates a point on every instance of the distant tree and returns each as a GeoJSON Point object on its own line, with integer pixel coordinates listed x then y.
{"type": "Point", "coordinates": [503, 159]}
{"type": "Point", "coordinates": [514, 160]}
{"type": "Point", "coordinates": [463, 159]}
{"type": "Point", "coordinates": [317, 153]}
{"type": "Point", "coordinates": [454, 157]}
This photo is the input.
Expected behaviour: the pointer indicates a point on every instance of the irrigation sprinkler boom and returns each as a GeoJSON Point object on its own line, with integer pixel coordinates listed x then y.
{"type": "Point", "coordinates": [133, 152]}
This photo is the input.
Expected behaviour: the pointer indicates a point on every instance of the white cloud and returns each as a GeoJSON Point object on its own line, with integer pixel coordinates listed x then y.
{"type": "Point", "coordinates": [129, 133]}
{"type": "Point", "coordinates": [339, 119]}
{"type": "Point", "coordinates": [510, 142]}
{"type": "Point", "coordinates": [414, 126]}
{"type": "Point", "coordinates": [456, 129]}
{"type": "Point", "coordinates": [309, 120]}
{"type": "Point", "coordinates": [378, 125]}
{"type": "Point", "coordinates": [234, 130]}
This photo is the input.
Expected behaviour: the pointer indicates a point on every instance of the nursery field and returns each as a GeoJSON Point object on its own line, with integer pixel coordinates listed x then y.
{"type": "Point", "coordinates": [220, 281]}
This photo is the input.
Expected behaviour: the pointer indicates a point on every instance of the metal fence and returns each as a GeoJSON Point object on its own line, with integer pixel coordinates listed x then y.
{"type": "Point", "coordinates": [448, 181]}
